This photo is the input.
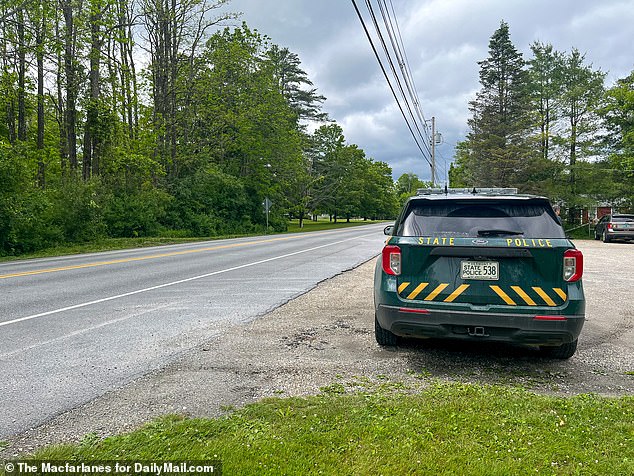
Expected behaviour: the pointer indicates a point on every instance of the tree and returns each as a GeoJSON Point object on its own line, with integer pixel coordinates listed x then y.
{"type": "Point", "coordinates": [40, 19]}
{"type": "Point", "coordinates": [546, 77]}
{"type": "Point", "coordinates": [461, 169]}
{"type": "Point", "coordinates": [175, 32]}
{"type": "Point", "coordinates": [378, 198]}
{"type": "Point", "coordinates": [407, 185]}
{"type": "Point", "coordinates": [92, 141]}
{"type": "Point", "coordinates": [290, 78]}
{"type": "Point", "coordinates": [618, 116]}
{"type": "Point", "coordinates": [325, 144]}
{"type": "Point", "coordinates": [582, 94]}
{"type": "Point", "coordinates": [71, 81]}
{"type": "Point", "coordinates": [83, 155]}
{"type": "Point", "coordinates": [498, 143]}
{"type": "Point", "coordinates": [346, 182]}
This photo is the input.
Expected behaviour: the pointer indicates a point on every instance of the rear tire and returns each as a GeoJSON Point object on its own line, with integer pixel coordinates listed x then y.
{"type": "Point", "coordinates": [383, 336]}
{"type": "Point", "coordinates": [564, 351]}
{"type": "Point", "coordinates": [606, 238]}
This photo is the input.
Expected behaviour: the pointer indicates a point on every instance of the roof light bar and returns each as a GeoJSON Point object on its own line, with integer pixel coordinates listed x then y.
{"type": "Point", "coordinates": [473, 191]}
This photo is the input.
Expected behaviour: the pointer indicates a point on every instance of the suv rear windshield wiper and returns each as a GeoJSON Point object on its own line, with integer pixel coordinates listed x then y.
{"type": "Point", "coordinates": [497, 232]}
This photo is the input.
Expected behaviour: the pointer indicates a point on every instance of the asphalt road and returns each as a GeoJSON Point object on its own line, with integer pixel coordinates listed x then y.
{"type": "Point", "coordinates": [73, 328]}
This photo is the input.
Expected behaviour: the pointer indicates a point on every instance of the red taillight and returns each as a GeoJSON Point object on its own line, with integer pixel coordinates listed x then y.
{"type": "Point", "coordinates": [573, 265]}
{"type": "Point", "coordinates": [392, 260]}
{"type": "Point", "coordinates": [610, 226]}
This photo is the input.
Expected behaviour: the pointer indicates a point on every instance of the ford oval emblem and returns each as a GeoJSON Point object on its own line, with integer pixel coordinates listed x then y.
{"type": "Point", "coordinates": [480, 242]}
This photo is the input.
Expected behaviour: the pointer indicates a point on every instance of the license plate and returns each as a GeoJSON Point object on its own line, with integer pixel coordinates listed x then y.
{"type": "Point", "coordinates": [487, 270]}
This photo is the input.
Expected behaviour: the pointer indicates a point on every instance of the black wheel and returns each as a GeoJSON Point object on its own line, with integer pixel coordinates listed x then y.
{"type": "Point", "coordinates": [564, 351]}
{"type": "Point", "coordinates": [383, 336]}
{"type": "Point", "coordinates": [606, 238]}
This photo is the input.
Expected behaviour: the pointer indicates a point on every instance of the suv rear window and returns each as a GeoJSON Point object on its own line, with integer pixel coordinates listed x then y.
{"type": "Point", "coordinates": [477, 218]}
{"type": "Point", "coordinates": [623, 218]}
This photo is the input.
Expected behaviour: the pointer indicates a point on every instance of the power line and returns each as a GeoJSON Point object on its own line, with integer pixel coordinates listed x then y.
{"type": "Point", "coordinates": [404, 62]}
{"type": "Point", "coordinates": [396, 47]}
{"type": "Point", "coordinates": [420, 138]}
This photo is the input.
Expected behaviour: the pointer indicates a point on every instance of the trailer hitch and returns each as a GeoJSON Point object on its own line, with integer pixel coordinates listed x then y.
{"type": "Point", "coordinates": [477, 332]}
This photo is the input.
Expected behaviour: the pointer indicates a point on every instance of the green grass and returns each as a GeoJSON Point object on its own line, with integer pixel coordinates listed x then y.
{"type": "Point", "coordinates": [393, 430]}
{"type": "Point", "coordinates": [110, 244]}
{"type": "Point", "coordinates": [580, 233]}
{"type": "Point", "coordinates": [105, 244]}
{"type": "Point", "coordinates": [324, 224]}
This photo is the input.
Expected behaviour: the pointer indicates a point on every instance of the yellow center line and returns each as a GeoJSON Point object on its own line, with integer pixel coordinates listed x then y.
{"type": "Point", "coordinates": [143, 258]}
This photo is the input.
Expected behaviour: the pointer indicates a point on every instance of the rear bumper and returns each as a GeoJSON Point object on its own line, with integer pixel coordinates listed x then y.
{"type": "Point", "coordinates": [621, 235]}
{"type": "Point", "coordinates": [503, 327]}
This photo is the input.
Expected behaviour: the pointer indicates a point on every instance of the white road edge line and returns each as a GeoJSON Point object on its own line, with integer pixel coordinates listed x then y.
{"type": "Point", "coordinates": [181, 281]}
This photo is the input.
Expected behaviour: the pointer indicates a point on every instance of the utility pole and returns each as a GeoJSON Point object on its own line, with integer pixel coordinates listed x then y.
{"type": "Point", "coordinates": [433, 151]}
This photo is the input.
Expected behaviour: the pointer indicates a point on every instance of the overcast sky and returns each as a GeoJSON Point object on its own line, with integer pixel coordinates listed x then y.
{"type": "Point", "coordinates": [444, 40]}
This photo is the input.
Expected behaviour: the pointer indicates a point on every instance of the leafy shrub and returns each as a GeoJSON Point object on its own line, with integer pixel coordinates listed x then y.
{"type": "Point", "coordinates": [210, 203]}
{"type": "Point", "coordinates": [133, 214]}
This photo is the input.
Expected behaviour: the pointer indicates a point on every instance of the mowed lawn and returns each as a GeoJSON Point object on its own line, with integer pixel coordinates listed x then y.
{"type": "Point", "coordinates": [392, 429]}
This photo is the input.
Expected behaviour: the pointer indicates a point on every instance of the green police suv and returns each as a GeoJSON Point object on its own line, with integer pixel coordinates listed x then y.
{"type": "Point", "coordinates": [480, 264]}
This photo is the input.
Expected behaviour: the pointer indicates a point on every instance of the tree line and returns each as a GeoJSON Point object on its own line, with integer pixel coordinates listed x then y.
{"type": "Point", "coordinates": [549, 125]}
{"type": "Point", "coordinates": [122, 119]}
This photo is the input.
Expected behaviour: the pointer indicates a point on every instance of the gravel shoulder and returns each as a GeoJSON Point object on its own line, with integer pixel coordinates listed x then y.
{"type": "Point", "coordinates": [326, 336]}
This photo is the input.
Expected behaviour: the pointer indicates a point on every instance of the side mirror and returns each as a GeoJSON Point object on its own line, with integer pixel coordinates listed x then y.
{"type": "Point", "coordinates": [388, 230]}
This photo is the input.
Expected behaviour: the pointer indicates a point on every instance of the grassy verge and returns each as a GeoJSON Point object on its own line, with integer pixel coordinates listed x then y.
{"type": "Point", "coordinates": [324, 224]}
{"type": "Point", "coordinates": [582, 233]}
{"type": "Point", "coordinates": [441, 429]}
{"type": "Point", "coordinates": [105, 244]}
{"type": "Point", "coordinates": [111, 244]}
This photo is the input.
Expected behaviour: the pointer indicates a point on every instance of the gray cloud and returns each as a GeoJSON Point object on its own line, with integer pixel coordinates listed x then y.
{"type": "Point", "coordinates": [444, 40]}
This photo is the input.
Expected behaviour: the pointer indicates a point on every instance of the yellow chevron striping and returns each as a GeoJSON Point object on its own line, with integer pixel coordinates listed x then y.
{"type": "Point", "coordinates": [436, 292]}
{"type": "Point", "coordinates": [544, 296]}
{"type": "Point", "coordinates": [560, 292]}
{"type": "Point", "coordinates": [462, 288]}
{"type": "Point", "coordinates": [520, 292]}
{"type": "Point", "coordinates": [505, 297]}
{"type": "Point", "coordinates": [402, 287]}
{"type": "Point", "coordinates": [417, 291]}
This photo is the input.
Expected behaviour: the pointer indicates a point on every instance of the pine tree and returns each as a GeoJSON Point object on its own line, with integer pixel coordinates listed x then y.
{"type": "Point", "coordinates": [291, 77]}
{"type": "Point", "coordinates": [498, 144]}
